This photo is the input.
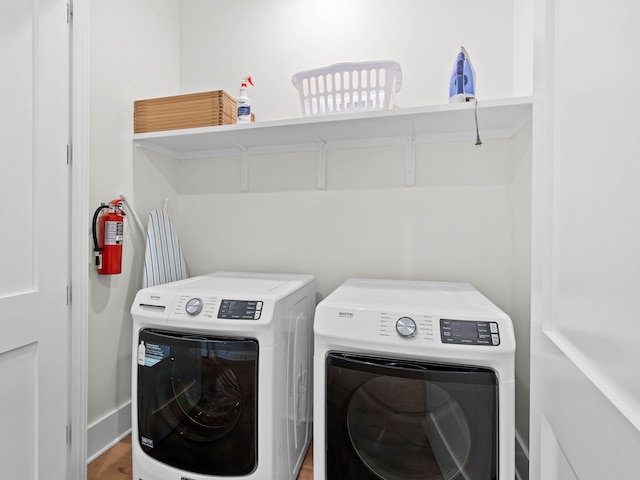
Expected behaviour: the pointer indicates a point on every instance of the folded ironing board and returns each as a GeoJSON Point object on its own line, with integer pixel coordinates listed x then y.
{"type": "Point", "coordinates": [163, 259]}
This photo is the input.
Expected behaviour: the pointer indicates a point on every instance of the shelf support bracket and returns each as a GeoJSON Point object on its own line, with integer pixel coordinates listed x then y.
{"type": "Point", "coordinates": [244, 170]}
{"type": "Point", "coordinates": [410, 163]}
{"type": "Point", "coordinates": [321, 166]}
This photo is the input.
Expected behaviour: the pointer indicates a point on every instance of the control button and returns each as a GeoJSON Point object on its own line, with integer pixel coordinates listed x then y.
{"type": "Point", "coordinates": [258, 305]}
{"type": "Point", "coordinates": [406, 326]}
{"type": "Point", "coordinates": [194, 306]}
{"type": "Point", "coordinates": [495, 339]}
{"type": "Point", "coordinates": [494, 327]}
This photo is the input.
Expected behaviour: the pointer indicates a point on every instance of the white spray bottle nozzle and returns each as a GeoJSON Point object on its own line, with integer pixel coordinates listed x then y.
{"type": "Point", "coordinates": [247, 79]}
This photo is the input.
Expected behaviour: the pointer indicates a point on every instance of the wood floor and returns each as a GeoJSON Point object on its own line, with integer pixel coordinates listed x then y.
{"type": "Point", "coordinates": [115, 464]}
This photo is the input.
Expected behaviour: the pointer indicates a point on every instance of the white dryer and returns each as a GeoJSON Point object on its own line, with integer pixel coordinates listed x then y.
{"type": "Point", "coordinates": [412, 380]}
{"type": "Point", "coordinates": [221, 377]}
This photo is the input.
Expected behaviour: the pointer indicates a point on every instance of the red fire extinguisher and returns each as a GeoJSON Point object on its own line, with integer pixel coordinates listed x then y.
{"type": "Point", "coordinates": [108, 233]}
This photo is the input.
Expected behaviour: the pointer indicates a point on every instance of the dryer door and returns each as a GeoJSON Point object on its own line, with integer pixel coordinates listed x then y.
{"type": "Point", "coordinates": [197, 401]}
{"type": "Point", "coordinates": [403, 420]}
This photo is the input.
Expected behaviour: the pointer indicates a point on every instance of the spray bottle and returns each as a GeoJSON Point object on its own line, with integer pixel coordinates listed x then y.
{"type": "Point", "coordinates": [243, 102]}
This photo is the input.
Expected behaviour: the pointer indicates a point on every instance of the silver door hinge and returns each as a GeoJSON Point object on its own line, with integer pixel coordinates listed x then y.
{"type": "Point", "coordinates": [68, 435]}
{"type": "Point", "coordinates": [69, 12]}
{"type": "Point", "coordinates": [68, 154]}
{"type": "Point", "coordinates": [68, 294]}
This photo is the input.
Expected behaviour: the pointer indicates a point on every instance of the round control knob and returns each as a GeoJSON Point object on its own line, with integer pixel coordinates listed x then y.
{"type": "Point", "coordinates": [406, 327]}
{"type": "Point", "coordinates": [194, 306]}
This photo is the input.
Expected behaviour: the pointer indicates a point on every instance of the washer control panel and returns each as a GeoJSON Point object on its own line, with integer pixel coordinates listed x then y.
{"type": "Point", "coordinates": [465, 332]}
{"type": "Point", "coordinates": [206, 308]}
{"type": "Point", "coordinates": [240, 309]}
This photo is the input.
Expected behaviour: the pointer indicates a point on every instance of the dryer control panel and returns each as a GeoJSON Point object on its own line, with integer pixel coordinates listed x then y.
{"type": "Point", "coordinates": [466, 332]}
{"type": "Point", "coordinates": [452, 332]}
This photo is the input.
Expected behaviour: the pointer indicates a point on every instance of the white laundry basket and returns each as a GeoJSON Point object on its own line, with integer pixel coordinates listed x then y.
{"type": "Point", "coordinates": [348, 87]}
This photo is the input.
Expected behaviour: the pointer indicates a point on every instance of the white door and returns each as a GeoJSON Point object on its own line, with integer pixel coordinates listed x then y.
{"type": "Point", "coordinates": [34, 240]}
{"type": "Point", "coordinates": [585, 339]}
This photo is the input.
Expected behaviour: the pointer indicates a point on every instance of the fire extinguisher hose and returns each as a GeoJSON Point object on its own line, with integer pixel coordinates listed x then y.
{"type": "Point", "coordinates": [96, 245]}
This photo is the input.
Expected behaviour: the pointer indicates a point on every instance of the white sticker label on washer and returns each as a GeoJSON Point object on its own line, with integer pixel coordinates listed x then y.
{"type": "Point", "coordinates": [154, 353]}
{"type": "Point", "coordinates": [146, 442]}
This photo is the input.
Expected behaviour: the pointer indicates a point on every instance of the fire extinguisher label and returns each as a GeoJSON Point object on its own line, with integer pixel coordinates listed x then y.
{"type": "Point", "coordinates": [114, 233]}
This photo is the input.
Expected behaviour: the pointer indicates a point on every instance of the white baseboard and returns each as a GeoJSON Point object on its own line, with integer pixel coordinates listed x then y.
{"type": "Point", "coordinates": [105, 433]}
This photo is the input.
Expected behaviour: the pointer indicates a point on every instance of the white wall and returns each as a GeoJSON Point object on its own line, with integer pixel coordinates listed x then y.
{"type": "Point", "coordinates": [522, 47]}
{"type": "Point", "coordinates": [521, 277]}
{"type": "Point", "coordinates": [223, 41]}
{"type": "Point", "coordinates": [465, 220]}
{"type": "Point", "coordinates": [130, 59]}
{"type": "Point", "coordinates": [454, 225]}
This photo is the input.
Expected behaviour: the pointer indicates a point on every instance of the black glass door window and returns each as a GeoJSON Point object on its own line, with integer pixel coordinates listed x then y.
{"type": "Point", "coordinates": [403, 420]}
{"type": "Point", "coordinates": [197, 401]}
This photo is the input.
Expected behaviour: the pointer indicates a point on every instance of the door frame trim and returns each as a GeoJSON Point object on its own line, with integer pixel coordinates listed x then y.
{"type": "Point", "coordinates": [78, 370]}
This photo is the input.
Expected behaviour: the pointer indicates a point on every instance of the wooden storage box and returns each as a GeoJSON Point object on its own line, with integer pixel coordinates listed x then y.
{"type": "Point", "coordinates": [184, 111]}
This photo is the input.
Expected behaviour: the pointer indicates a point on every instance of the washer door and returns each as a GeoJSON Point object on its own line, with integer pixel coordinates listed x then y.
{"type": "Point", "coordinates": [402, 420]}
{"type": "Point", "coordinates": [197, 401]}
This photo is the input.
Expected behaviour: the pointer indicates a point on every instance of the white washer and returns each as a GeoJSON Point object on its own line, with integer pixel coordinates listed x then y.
{"type": "Point", "coordinates": [221, 377]}
{"type": "Point", "coordinates": [412, 380]}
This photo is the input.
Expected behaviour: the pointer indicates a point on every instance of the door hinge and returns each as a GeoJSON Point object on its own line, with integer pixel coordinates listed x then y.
{"type": "Point", "coordinates": [68, 294]}
{"type": "Point", "coordinates": [69, 12]}
{"type": "Point", "coordinates": [69, 153]}
{"type": "Point", "coordinates": [68, 435]}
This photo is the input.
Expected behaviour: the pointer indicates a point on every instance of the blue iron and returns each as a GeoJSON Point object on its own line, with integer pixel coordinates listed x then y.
{"type": "Point", "coordinates": [463, 79]}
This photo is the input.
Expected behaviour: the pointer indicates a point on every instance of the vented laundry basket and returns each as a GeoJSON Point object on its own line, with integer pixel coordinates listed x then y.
{"type": "Point", "coordinates": [348, 87]}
